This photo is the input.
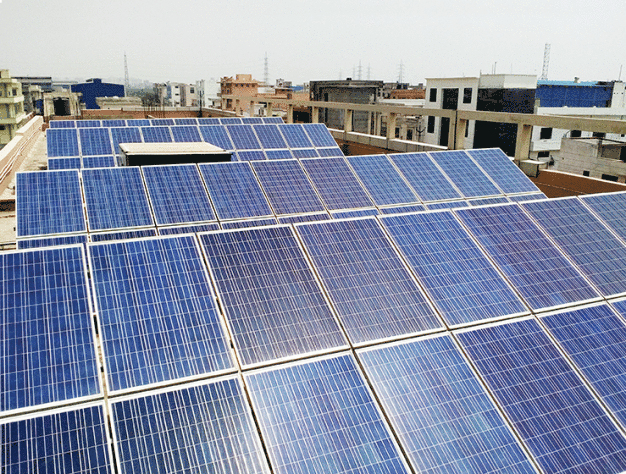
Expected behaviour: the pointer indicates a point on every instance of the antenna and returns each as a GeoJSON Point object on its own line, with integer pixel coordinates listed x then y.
{"type": "Point", "coordinates": [400, 72]}
{"type": "Point", "coordinates": [266, 72]}
{"type": "Point", "coordinates": [126, 78]}
{"type": "Point", "coordinates": [546, 63]}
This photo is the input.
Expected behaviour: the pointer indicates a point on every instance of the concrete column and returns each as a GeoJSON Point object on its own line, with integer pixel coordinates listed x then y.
{"type": "Point", "coordinates": [251, 109]}
{"type": "Point", "coordinates": [315, 114]}
{"type": "Point", "coordinates": [237, 107]}
{"type": "Point", "coordinates": [403, 129]}
{"type": "Point", "coordinates": [270, 109]}
{"type": "Point", "coordinates": [379, 124]}
{"type": "Point", "coordinates": [461, 126]}
{"type": "Point", "coordinates": [347, 120]}
{"type": "Point", "coordinates": [290, 113]}
{"type": "Point", "coordinates": [391, 126]}
{"type": "Point", "coordinates": [522, 143]}
{"type": "Point", "coordinates": [369, 123]}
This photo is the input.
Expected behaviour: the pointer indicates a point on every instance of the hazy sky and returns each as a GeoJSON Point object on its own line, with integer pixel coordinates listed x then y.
{"type": "Point", "coordinates": [312, 40]}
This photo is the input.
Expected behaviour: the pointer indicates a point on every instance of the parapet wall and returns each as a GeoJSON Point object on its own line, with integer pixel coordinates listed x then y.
{"type": "Point", "coordinates": [12, 155]}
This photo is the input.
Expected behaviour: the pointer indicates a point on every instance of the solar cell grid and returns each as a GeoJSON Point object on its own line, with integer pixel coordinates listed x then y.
{"type": "Point", "coordinates": [177, 194]}
{"type": "Point", "coordinates": [277, 120]}
{"type": "Point", "coordinates": [231, 121]}
{"type": "Point", "coordinates": [162, 122]}
{"type": "Point", "coordinates": [251, 155]}
{"type": "Point", "coordinates": [113, 123]}
{"type": "Point", "coordinates": [333, 151]}
{"type": "Point", "coordinates": [319, 135]}
{"type": "Point", "coordinates": [248, 223]}
{"type": "Point", "coordinates": [463, 172]}
{"type": "Point", "coordinates": [611, 208]}
{"type": "Point", "coordinates": [354, 213]}
{"type": "Point", "coordinates": [295, 135]}
{"type": "Point", "coordinates": [125, 135]}
{"type": "Point", "coordinates": [509, 178]}
{"type": "Point", "coordinates": [208, 121]}
{"type": "Point", "coordinates": [217, 135]}
{"type": "Point", "coordinates": [62, 124]}
{"type": "Point", "coordinates": [555, 414]}
{"type": "Point", "coordinates": [95, 141]}
{"type": "Point", "coordinates": [278, 154]}
{"type": "Point", "coordinates": [269, 136]}
{"type": "Point", "coordinates": [336, 184]}
{"type": "Point", "coordinates": [527, 197]}
{"type": "Point", "coordinates": [138, 123]}
{"type": "Point", "coordinates": [305, 153]}
{"type": "Point", "coordinates": [545, 279]}
{"type": "Point", "coordinates": [303, 218]}
{"type": "Point", "coordinates": [443, 416]}
{"type": "Point", "coordinates": [371, 289]}
{"type": "Point", "coordinates": [125, 235]}
{"type": "Point", "coordinates": [186, 121]}
{"type": "Point", "coordinates": [320, 416]}
{"type": "Point", "coordinates": [488, 201]}
{"type": "Point", "coordinates": [69, 163]}
{"type": "Point", "coordinates": [402, 209]}
{"type": "Point", "coordinates": [272, 301]}
{"type": "Point", "coordinates": [243, 137]}
{"type": "Point", "coordinates": [462, 283]}
{"type": "Point", "coordinates": [52, 241]}
{"type": "Point", "coordinates": [187, 229]}
{"type": "Point", "coordinates": [252, 120]}
{"type": "Point", "coordinates": [62, 142]}
{"type": "Point", "coordinates": [425, 178]}
{"type": "Point", "coordinates": [157, 313]}
{"type": "Point", "coordinates": [156, 134]}
{"type": "Point", "coordinates": [88, 123]}
{"type": "Point", "coordinates": [99, 162]}
{"type": "Point", "coordinates": [186, 133]}
{"type": "Point", "coordinates": [446, 205]}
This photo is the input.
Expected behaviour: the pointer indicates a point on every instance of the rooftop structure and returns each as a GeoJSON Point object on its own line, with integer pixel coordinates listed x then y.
{"type": "Point", "coordinates": [94, 88]}
{"type": "Point", "coordinates": [11, 107]}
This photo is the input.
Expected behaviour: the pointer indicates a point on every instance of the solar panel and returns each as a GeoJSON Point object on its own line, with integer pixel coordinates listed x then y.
{"type": "Point", "coordinates": [138, 123]}
{"type": "Point", "coordinates": [611, 208]}
{"type": "Point", "coordinates": [594, 337]}
{"type": "Point", "coordinates": [48, 202]}
{"type": "Point", "coordinates": [124, 135]}
{"type": "Point", "coordinates": [305, 153]}
{"type": "Point", "coordinates": [124, 235]}
{"type": "Point", "coordinates": [545, 279]}
{"type": "Point", "coordinates": [370, 288]}
{"type": "Point", "coordinates": [446, 205]}
{"type": "Point", "coordinates": [99, 162]}
{"type": "Point", "coordinates": [303, 218]}
{"type": "Point", "coordinates": [336, 183]}
{"type": "Point", "coordinates": [177, 194]}
{"type": "Point", "coordinates": [47, 341]}
{"type": "Point", "coordinates": [269, 136]}
{"type": "Point", "coordinates": [381, 180]}
{"type": "Point", "coordinates": [62, 142]}
{"type": "Point", "coordinates": [243, 137]}
{"type": "Point", "coordinates": [462, 283]}
{"type": "Point", "coordinates": [88, 123]}
{"type": "Point", "coordinates": [231, 121]}
{"type": "Point", "coordinates": [248, 223]}
{"type": "Point", "coordinates": [272, 302]}
{"type": "Point", "coordinates": [402, 209]}
{"type": "Point", "coordinates": [319, 135]}
{"type": "Point", "coordinates": [70, 440]}
{"type": "Point", "coordinates": [62, 124]}
{"type": "Point", "coordinates": [287, 187]}
{"type": "Point", "coordinates": [186, 121]}
{"type": "Point", "coordinates": [488, 201]}
{"type": "Point", "coordinates": [295, 136]}
{"type": "Point", "coordinates": [278, 154]}
{"type": "Point", "coordinates": [186, 133]}
{"type": "Point", "coordinates": [527, 197]}
{"type": "Point", "coordinates": [554, 413]}
{"type": "Point", "coordinates": [509, 178]}
{"type": "Point", "coordinates": [320, 416]}
{"type": "Point", "coordinates": [354, 213]}
{"type": "Point", "coordinates": [205, 427]}
{"type": "Point", "coordinates": [273, 120]}
{"type": "Point", "coordinates": [95, 141]}
{"type": "Point", "coordinates": [463, 172]}
{"type": "Point", "coordinates": [234, 190]}
{"type": "Point", "coordinates": [334, 151]}
{"type": "Point", "coordinates": [69, 163]}
{"type": "Point", "coordinates": [251, 120]}
{"type": "Point", "coordinates": [157, 312]}
{"type": "Point", "coordinates": [156, 134]}
{"type": "Point", "coordinates": [116, 198]}
{"type": "Point", "coordinates": [113, 123]}
{"type": "Point", "coordinates": [251, 155]}
{"type": "Point", "coordinates": [52, 241]}
{"type": "Point", "coordinates": [427, 180]}
{"type": "Point", "coordinates": [585, 240]}
{"type": "Point", "coordinates": [216, 135]}
{"type": "Point", "coordinates": [187, 229]}
{"type": "Point", "coordinates": [208, 121]}
{"type": "Point", "coordinates": [441, 412]}
{"type": "Point", "coordinates": [162, 122]}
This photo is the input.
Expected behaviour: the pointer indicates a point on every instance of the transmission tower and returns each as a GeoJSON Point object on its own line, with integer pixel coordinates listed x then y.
{"type": "Point", "coordinates": [546, 63]}
{"type": "Point", "coordinates": [126, 77]}
{"type": "Point", "coordinates": [360, 71]}
{"type": "Point", "coordinates": [401, 72]}
{"type": "Point", "coordinates": [266, 72]}
{"type": "Point", "coordinates": [369, 71]}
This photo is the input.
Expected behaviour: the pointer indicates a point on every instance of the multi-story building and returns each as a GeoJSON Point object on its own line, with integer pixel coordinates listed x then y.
{"type": "Point", "coordinates": [594, 157]}
{"type": "Point", "coordinates": [11, 107]}
{"type": "Point", "coordinates": [242, 85]}
{"type": "Point", "coordinates": [93, 88]}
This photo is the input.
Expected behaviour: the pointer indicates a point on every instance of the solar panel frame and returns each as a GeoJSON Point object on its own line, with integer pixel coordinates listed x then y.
{"type": "Point", "coordinates": [269, 136]}
{"type": "Point", "coordinates": [468, 178]}
{"type": "Point", "coordinates": [231, 121]}
{"type": "Point", "coordinates": [526, 197]}
{"type": "Point", "coordinates": [245, 223]}
{"type": "Point", "coordinates": [95, 141]}
{"type": "Point", "coordinates": [122, 235]}
{"type": "Point", "coordinates": [502, 171]}
{"type": "Point", "coordinates": [188, 229]}
{"type": "Point", "coordinates": [99, 162]}
{"type": "Point", "coordinates": [402, 209]}
{"type": "Point", "coordinates": [295, 136]}
{"type": "Point", "coordinates": [186, 133]}
{"type": "Point", "coordinates": [488, 201]}
{"type": "Point", "coordinates": [243, 137]}
{"type": "Point", "coordinates": [217, 135]}
{"type": "Point", "coordinates": [319, 135]}
{"type": "Point", "coordinates": [65, 163]}
{"type": "Point", "coordinates": [156, 134]}
{"type": "Point", "coordinates": [124, 135]}
{"type": "Point", "coordinates": [62, 142]}
{"type": "Point", "coordinates": [434, 206]}
{"type": "Point", "coordinates": [350, 213]}
{"type": "Point", "coordinates": [64, 240]}
{"type": "Point", "coordinates": [293, 219]}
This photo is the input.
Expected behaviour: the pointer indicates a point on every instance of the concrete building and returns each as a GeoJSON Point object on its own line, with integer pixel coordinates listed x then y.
{"type": "Point", "coordinates": [593, 157]}
{"type": "Point", "coordinates": [94, 88]}
{"type": "Point", "coordinates": [11, 107]}
{"type": "Point", "coordinates": [242, 85]}
{"type": "Point", "coordinates": [61, 104]}
{"type": "Point", "coordinates": [44, 82]}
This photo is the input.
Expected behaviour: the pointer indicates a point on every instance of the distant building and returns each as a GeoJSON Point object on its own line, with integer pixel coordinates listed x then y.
{"type": "Point", "coordinates": [61, 103]}
{"type": "Point", "coordinates": [44, 82]}
{"type": "Point", "coordinates": [594, 157]}
{"type": "Point", "coordinates": [117, 103]}
{"type": "Point", "coordinates": [94, 88]}
{"type": "Point", "coordinates": [182, 95]}
{"type": "Point", "coordinates": [11, 107]}
{"type": "Point", "coordinates": [241, 84]}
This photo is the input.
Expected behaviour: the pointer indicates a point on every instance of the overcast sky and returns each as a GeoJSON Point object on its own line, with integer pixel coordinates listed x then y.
{"type": "Point", "coordinates": [185, 41]}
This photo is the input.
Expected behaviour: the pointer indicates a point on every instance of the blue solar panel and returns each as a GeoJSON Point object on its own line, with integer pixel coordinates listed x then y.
{"type": "Point", "coordinates": [208, 121]}
{"type": "Point", "coordinates": [124, 135]}
{"type": "Point", "coordinates": [295, 136]}
{"type": "Point", "coordinates": [243, 137]}
{"type": "Point", "coordinates": [216, 135]}
{"type": "Point", "coordinates": [545, 278]}
{"type": "Point", "coordinates": [488, 201]}
{"type": "Point", "coordinates": [354, 213]}
{"type": "Point", "coordinates": [595, 339]}
{"type": "Point", "coordinates": [95, 141]}
{"type": "Point", "coordinates": [303, 218]}
{"type": "Point", "coordinates": [73, 163]}
{"type": "Point", "coordinates": [278, 154]}
{"type": "Point", "coordinates": [443, 416]}
{"type": "Point", "coordinates": [336, 184]}
{"type": "Point", "coordinates": [116, 198]}
{"type": "Point", "coordinates": [62, 142]}
{"type": "Point", "coordinates": [138, 123]}
{"type": "Point", "coordinates": [319, 135]}
{"type": "Point", "coordinates": [199, 428]}
{"type": "Point", "coordinates": [124, 235]}
{"type": "Point", "coordinates": [248, 223]}
{"type": "Point", "coordinates": [57, 441]}
{"type": "Point", "coordinates": [234, 190]}
{"type": "Point", "coordinates": [427, 180]}
{"type": "Point", "coordinates": [402, 209]}
{"type": "Point", "coordinates": [186, 121]}
{"type": "Point", "coordinates": [99, 162]}
{"type": "Point", "coordinates": [554, 413]}
{"type": "Point", "coordinates": [371, 289]}
{"type": "Point", "coordinates": [156, 134]}
{"type": "Point", "coordinates": [273, 120]}
{"type": "Point", "coordinates": [62, 124]}
{"type": "Point", "coordinates": [583, 238]}
{"type": "Point", "coordinates": [251, 155]}
{"type": "Point", "coordinates": [252, 120]}
{"type": "Point", "coordinates": [157, 312]}
{"type": "Point", "coordinates": [187, 229]}
{"type": "Point", "coordinates": [269, 136]}
{"type": "Point", "coordinates": [177, 194]}
{"type": "Point", "coordinates": [47, 346]}
{"type": "Point", "coordinates": [334, 151]}
{"type": "Point", "coordinates": [381, 180]}
{"type": "Point", "coordinates": [611, 208]}
{"type": "Point", "coordinates": [287, 188]}
{"type": "Point", "coordinates": [48, 202]}
{"type": "Point", "coordinates": [467, 177]}
{"type": "Point", "coordinates": [321, 417]}
{"type": "Point", "coordinates": [464, 286]}
{"type": "Point", "coordinates": [113, 123]}
{"type": "Point", "coordinates": [186, 133]}
{"type": "Point", "coordinates": [88, 123]}
{"type": "Point", "coordinates": [231, 121]}
{"type": "Point", "coordinates": [305, 153]}
{"type": "Point", "coordinates": [446, 205]}
{"type": "Point", "coordinates": [527, 197]}
{"type": "Point", "coordinates": [162, 122]}
{"type": "Point", "coordinates": [271, 299]}
{"type": "Point", "coordinates": [509, 178]}
{"type": "Point", "coordinates": [52, 241]}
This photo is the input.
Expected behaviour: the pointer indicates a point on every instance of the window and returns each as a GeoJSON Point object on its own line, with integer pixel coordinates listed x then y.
{"type": "Point", "coordinates": [409, 135]}
{"type": "Point", "coordinates": [585, 173]}
{"type": "Point", "coordinates": [545, 133]}
{"type": "Point", "coordinates": [599, 135]}
{"type": "Point", "coordinates": [543, 154]}
{"type": "Point", "coordinates": [433, 95]}
{"type": "Point", "coordinates": [467, 95]}
{"type": "Point", "coordinates": [397, 132]}
{"type": "Point", "coordinates": [191, 91]}
{"type": "Point", "coordinates": [575, 134]}
{"type": "Point", "coordinates": [467, 125]}
{"type": "Point", "coordinates": [2, 127]}
{"type": "Point", "coordinates": [609, 177]}
{"type": "Point", "coordinates": [431, 125]}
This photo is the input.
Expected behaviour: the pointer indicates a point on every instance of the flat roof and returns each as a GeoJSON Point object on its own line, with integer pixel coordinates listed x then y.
{"type": "Point", "coordinates": [169, 148]}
